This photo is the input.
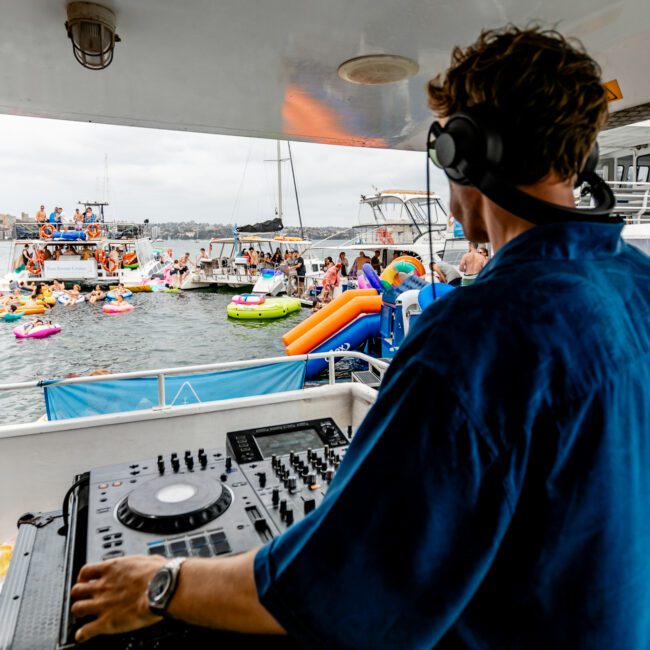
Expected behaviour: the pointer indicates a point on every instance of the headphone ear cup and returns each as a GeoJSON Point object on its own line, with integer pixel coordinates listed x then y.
{"type": "Point", "coordinates": [465, 149]}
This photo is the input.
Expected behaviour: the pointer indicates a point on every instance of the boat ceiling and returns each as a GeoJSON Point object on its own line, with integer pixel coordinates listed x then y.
{"type": "Point", "coordinates": [269, 69]}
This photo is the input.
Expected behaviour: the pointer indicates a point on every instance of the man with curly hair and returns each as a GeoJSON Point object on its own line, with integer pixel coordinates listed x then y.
{"type": "Point", "coordinates": [508, 507]}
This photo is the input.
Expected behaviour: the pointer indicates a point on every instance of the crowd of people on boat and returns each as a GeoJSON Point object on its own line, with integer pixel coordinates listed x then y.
{"type": "Point", "coordinates": [58, 218]}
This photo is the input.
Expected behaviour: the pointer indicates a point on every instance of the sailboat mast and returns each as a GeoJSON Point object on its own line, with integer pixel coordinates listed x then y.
{"type": "Point", "coordinates": [279, 182]}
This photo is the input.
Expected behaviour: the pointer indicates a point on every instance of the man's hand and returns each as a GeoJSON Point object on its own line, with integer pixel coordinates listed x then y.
{"type": "Point", "coordinates": [115, 592]}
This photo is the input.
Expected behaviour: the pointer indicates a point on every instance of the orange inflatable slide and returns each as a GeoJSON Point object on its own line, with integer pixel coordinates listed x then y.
{"type": "Point", "coordinates": [300, 329]}
{"type": "Point", "coordinates": [363, 301]}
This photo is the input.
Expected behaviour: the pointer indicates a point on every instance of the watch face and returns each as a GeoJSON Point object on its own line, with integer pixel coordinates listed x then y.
{"type": "Point", "coordinates": [159, 585]}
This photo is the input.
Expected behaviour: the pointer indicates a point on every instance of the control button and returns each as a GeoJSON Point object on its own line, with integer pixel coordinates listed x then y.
{"type": "Point", "coordinates": [178, 548]}
{"type": "Point", "coordinates": [283, 506]}
{"type": "Point", "coordinates": [112, 554]}
{"type": "Point", "coordinates": [116, 483]}
{"type": "Point", "coordinates": [262, 478]}
{"type": "Point", "coordinates": [103, 486]}
{"type": "Point", "coordinates": [161, 464]}
{"type": "Point", "coordinates": [261, 526]}
{"type": "Point", "coordinates": [118, 542]}
{"type": "Point", "coordinates": [291, 483]}
{"type": "Point", "coordinates": [223, 478]}
{"type": "Point", "coordinates": [158, 549]}
{"type": "Point", "coordinates": [117, 535]}
{"type": "Point", "coordinates": [107, 537]}
{"type": "Point", "coordinates": [221, 548]}
{"type": "Point", "coordinates": [218, 537]}
{"type": "Point", "coordinates": [107, 544]}
{"type": "Point", "coordinates": [314, 486]}
{"type": "Point", "coordinates": [310, 505]}
{"type": "Point", "coordinates": [198, 541]}
{"type": "Point", "coordinates": [104, 529]}
{"type": "Point", "coordinates": [288, 516]}
{"type": "Point", "coordinates": [228, 463]}
{"type": "Point", "coordinates": [275, 496]}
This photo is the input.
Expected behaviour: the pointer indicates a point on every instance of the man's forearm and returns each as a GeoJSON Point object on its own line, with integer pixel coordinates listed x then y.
{"type": "Point", "coordinates": [221, 593]}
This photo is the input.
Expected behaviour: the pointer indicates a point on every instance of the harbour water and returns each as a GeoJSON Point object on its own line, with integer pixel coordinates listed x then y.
{"type": "Point", "coordinates": [164, 330]}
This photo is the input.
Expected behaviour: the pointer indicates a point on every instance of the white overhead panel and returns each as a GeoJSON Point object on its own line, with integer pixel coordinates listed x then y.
{"type": "Point", "coordinates": [269, 69]}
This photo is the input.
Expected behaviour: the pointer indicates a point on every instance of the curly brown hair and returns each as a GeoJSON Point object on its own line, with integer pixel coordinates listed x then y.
{"type": "Point", "coordinates": [543, 93]}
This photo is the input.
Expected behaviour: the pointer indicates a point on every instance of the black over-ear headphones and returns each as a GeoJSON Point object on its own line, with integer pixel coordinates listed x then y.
{"type": "Point", "coordinates": [472, 153]}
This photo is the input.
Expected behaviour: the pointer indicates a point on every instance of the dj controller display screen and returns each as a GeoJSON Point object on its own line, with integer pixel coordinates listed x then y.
{"type": "Point", "coordinates": [283, 443]}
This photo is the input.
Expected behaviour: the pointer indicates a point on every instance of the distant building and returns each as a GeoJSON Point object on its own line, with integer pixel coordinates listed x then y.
{"type": "Point", "coordinates": [7, 222]}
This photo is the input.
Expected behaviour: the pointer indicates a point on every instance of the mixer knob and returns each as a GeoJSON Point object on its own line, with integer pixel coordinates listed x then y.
{"type": "Point", "coordinates": [228, 463]}
{"type": "Point", "coordinates": [161, 464]}
{"type": "Point", "coordinates": [275, 496]}
{"type": "Point", "coordinates": [174, 455]}
{"type": "Point", "coordinates": [188, 453]}
{"type": "Point", "coordinates": [288, 516]}
{"type": "Point", "coordinates": [326, 450]}
{"type": "Point", "coordinates": [292, 456]}
{"type": "Point", "coordinates": [310, 504]}
{"type": "Point", "coordinates": [283, 507]}
{"type": "Point", "coordinates": [176, 464]}
{"type": "Point", "coordinates": [189, 461]}
{"type": "Point", "coordinates": [304, 471]}
{"type": "Point", "coordinates": [274, 461]}
{"type": "Point", "coordinates": [329, 474]}
{"type": "Point", "coordinates": [349, 432]}
{"type": "Point", "coordinates": [203, 458]}
{"type": "Point", "coordinates": [311, 479]}
{"type": "Point", "coordinates": [291, 483]}
{"type": "Point", "coordinates": [201, 451]}
{"type": "Point", "coordinates": [308, 453]}
{"type": "Point", "coordinates": [262, 477]}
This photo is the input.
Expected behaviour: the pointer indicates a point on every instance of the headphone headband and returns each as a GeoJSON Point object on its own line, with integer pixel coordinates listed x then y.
{"type": "Point", "coordinates": [472, 153]}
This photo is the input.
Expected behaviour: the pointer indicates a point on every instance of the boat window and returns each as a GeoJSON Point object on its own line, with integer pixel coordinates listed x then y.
{"type": "Point", "coordinates": [642, 174]}
{"type": "Point", "coordinates": [419, 208]}
{"type": "Point", "coordinates": [603, 172]}
{"type": "Point", "coordinates": [619, 172]}
{"type": "Point", "coordinates": [630, 174]}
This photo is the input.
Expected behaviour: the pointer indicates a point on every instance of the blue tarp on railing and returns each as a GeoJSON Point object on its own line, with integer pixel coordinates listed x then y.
{"type": "Point", "coordinates": [115, 396]}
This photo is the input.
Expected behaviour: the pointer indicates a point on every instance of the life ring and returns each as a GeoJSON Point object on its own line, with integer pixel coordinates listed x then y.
{"type": "Point", "coordinates": [93, 231]}
{"type": "Point", "coordinates": [129, 258]}
{"type": "Point", "coordinates": [34, 267]}
{"type": "Point", "coordinates": [385, 236]}
{"type": "Point", "coordinates": [372, 277]}
{"type": "Point", "coordinates": [419, 267]}
{"type": "Point", "coordinates": [110, 265]}
{"type": "Point", "coordinates": [100, 255]}
{"type": "Point", "coordinates": [46, 231]}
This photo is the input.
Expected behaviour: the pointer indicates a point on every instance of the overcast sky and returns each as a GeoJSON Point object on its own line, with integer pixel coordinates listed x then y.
{"type": "Point", "coordinates": [171, 175]}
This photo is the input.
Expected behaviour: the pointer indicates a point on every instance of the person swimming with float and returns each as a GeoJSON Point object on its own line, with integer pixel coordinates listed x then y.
{"type": "Point", "coordinates": [96, 294]}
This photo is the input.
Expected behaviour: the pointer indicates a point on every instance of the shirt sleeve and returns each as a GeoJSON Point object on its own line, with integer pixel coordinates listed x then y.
{"type": "Point", "coordinates": [405, 534]}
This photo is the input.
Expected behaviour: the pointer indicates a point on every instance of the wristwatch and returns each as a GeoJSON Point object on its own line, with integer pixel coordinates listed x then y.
{"type": "Point", "coordinates": [163, 585]}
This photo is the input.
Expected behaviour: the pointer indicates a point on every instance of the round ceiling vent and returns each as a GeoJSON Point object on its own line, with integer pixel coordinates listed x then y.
{"type": "Point", "coordinates": [374, 69]}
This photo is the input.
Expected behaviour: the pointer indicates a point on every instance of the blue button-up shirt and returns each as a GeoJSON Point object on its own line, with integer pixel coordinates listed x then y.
{"type": "Point", "coordinates": [497, 495]}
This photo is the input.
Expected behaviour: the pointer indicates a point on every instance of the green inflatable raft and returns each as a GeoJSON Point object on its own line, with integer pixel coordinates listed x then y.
{"type": "Point", "coordinates": [269, 309]}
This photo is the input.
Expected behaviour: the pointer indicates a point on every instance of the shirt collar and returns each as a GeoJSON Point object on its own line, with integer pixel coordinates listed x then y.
{"type": "Point", "coordinates": [561, 241]}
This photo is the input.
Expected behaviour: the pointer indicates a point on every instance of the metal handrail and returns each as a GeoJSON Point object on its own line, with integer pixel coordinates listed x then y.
{"type": "Point", "coordinates": [161, 373]}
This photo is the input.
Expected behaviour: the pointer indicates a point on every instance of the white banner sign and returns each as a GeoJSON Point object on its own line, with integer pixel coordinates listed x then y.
{"type": "Point", "coordinates": [70, 269]}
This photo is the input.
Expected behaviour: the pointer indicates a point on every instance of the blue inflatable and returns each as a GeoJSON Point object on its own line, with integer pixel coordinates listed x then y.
{"type": "Point", "coordinates": [351, 337]}
{"type": "Point", "coordinates": [426, 295]}
{"type": "Point", "coordinates": [70, 235]}
{"type": "Point", "coordinates": [111, 295]}
{"type": "Point", "coordinates": [372, 277]}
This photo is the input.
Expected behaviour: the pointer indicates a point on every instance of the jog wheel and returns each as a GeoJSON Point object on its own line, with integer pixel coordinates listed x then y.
{"type": "Point", "coordinates": [174, 504]}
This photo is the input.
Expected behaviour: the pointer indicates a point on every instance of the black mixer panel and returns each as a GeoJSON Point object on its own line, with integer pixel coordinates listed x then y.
{"type": "Point", "coordinates": [290, 466]}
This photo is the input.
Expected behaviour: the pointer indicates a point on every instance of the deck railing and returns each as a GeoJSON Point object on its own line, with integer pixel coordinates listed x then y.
{"type": "Point", "coordinates": [161, 373]}
{"type": "Point", "coordinates": [632, 201]}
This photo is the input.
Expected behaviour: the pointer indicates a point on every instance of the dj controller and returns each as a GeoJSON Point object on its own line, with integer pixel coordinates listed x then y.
{"type": "Point", "coordinates": [196, 503]}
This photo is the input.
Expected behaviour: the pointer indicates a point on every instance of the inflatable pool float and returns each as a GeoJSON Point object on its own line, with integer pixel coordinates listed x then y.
{"type": "Point", "coordinates": [111, 295]}
{"type": "Point", "coordinates": [115, 308]}
{"type": "Point", "coordinates": [31, 310]}
{"type": "Point", "coordinates": [249, 299]}
{"type": "Point", "coordinates": [269, 309]}
{"type": "Point", "coordinates": [372, 278]}
{"type": "Point", "coordinates": [67, 299]}
{"type": "Point", "coordinates": [47, 300]}
{"type": "Point", "coordinates": [139, 288]}
{"type": "Point", "coordinates": [131, 266]}
{"type": "Point", "coordinates": [10, 317]}
{"type": "Point", "coordinates": [38, 332]}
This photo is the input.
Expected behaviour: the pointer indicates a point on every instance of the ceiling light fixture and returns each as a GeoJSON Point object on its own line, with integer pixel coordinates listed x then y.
{"type": "Point", "coordinates": [91, 28]}
{"type": "Point", "coordinates": [374, 69]}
